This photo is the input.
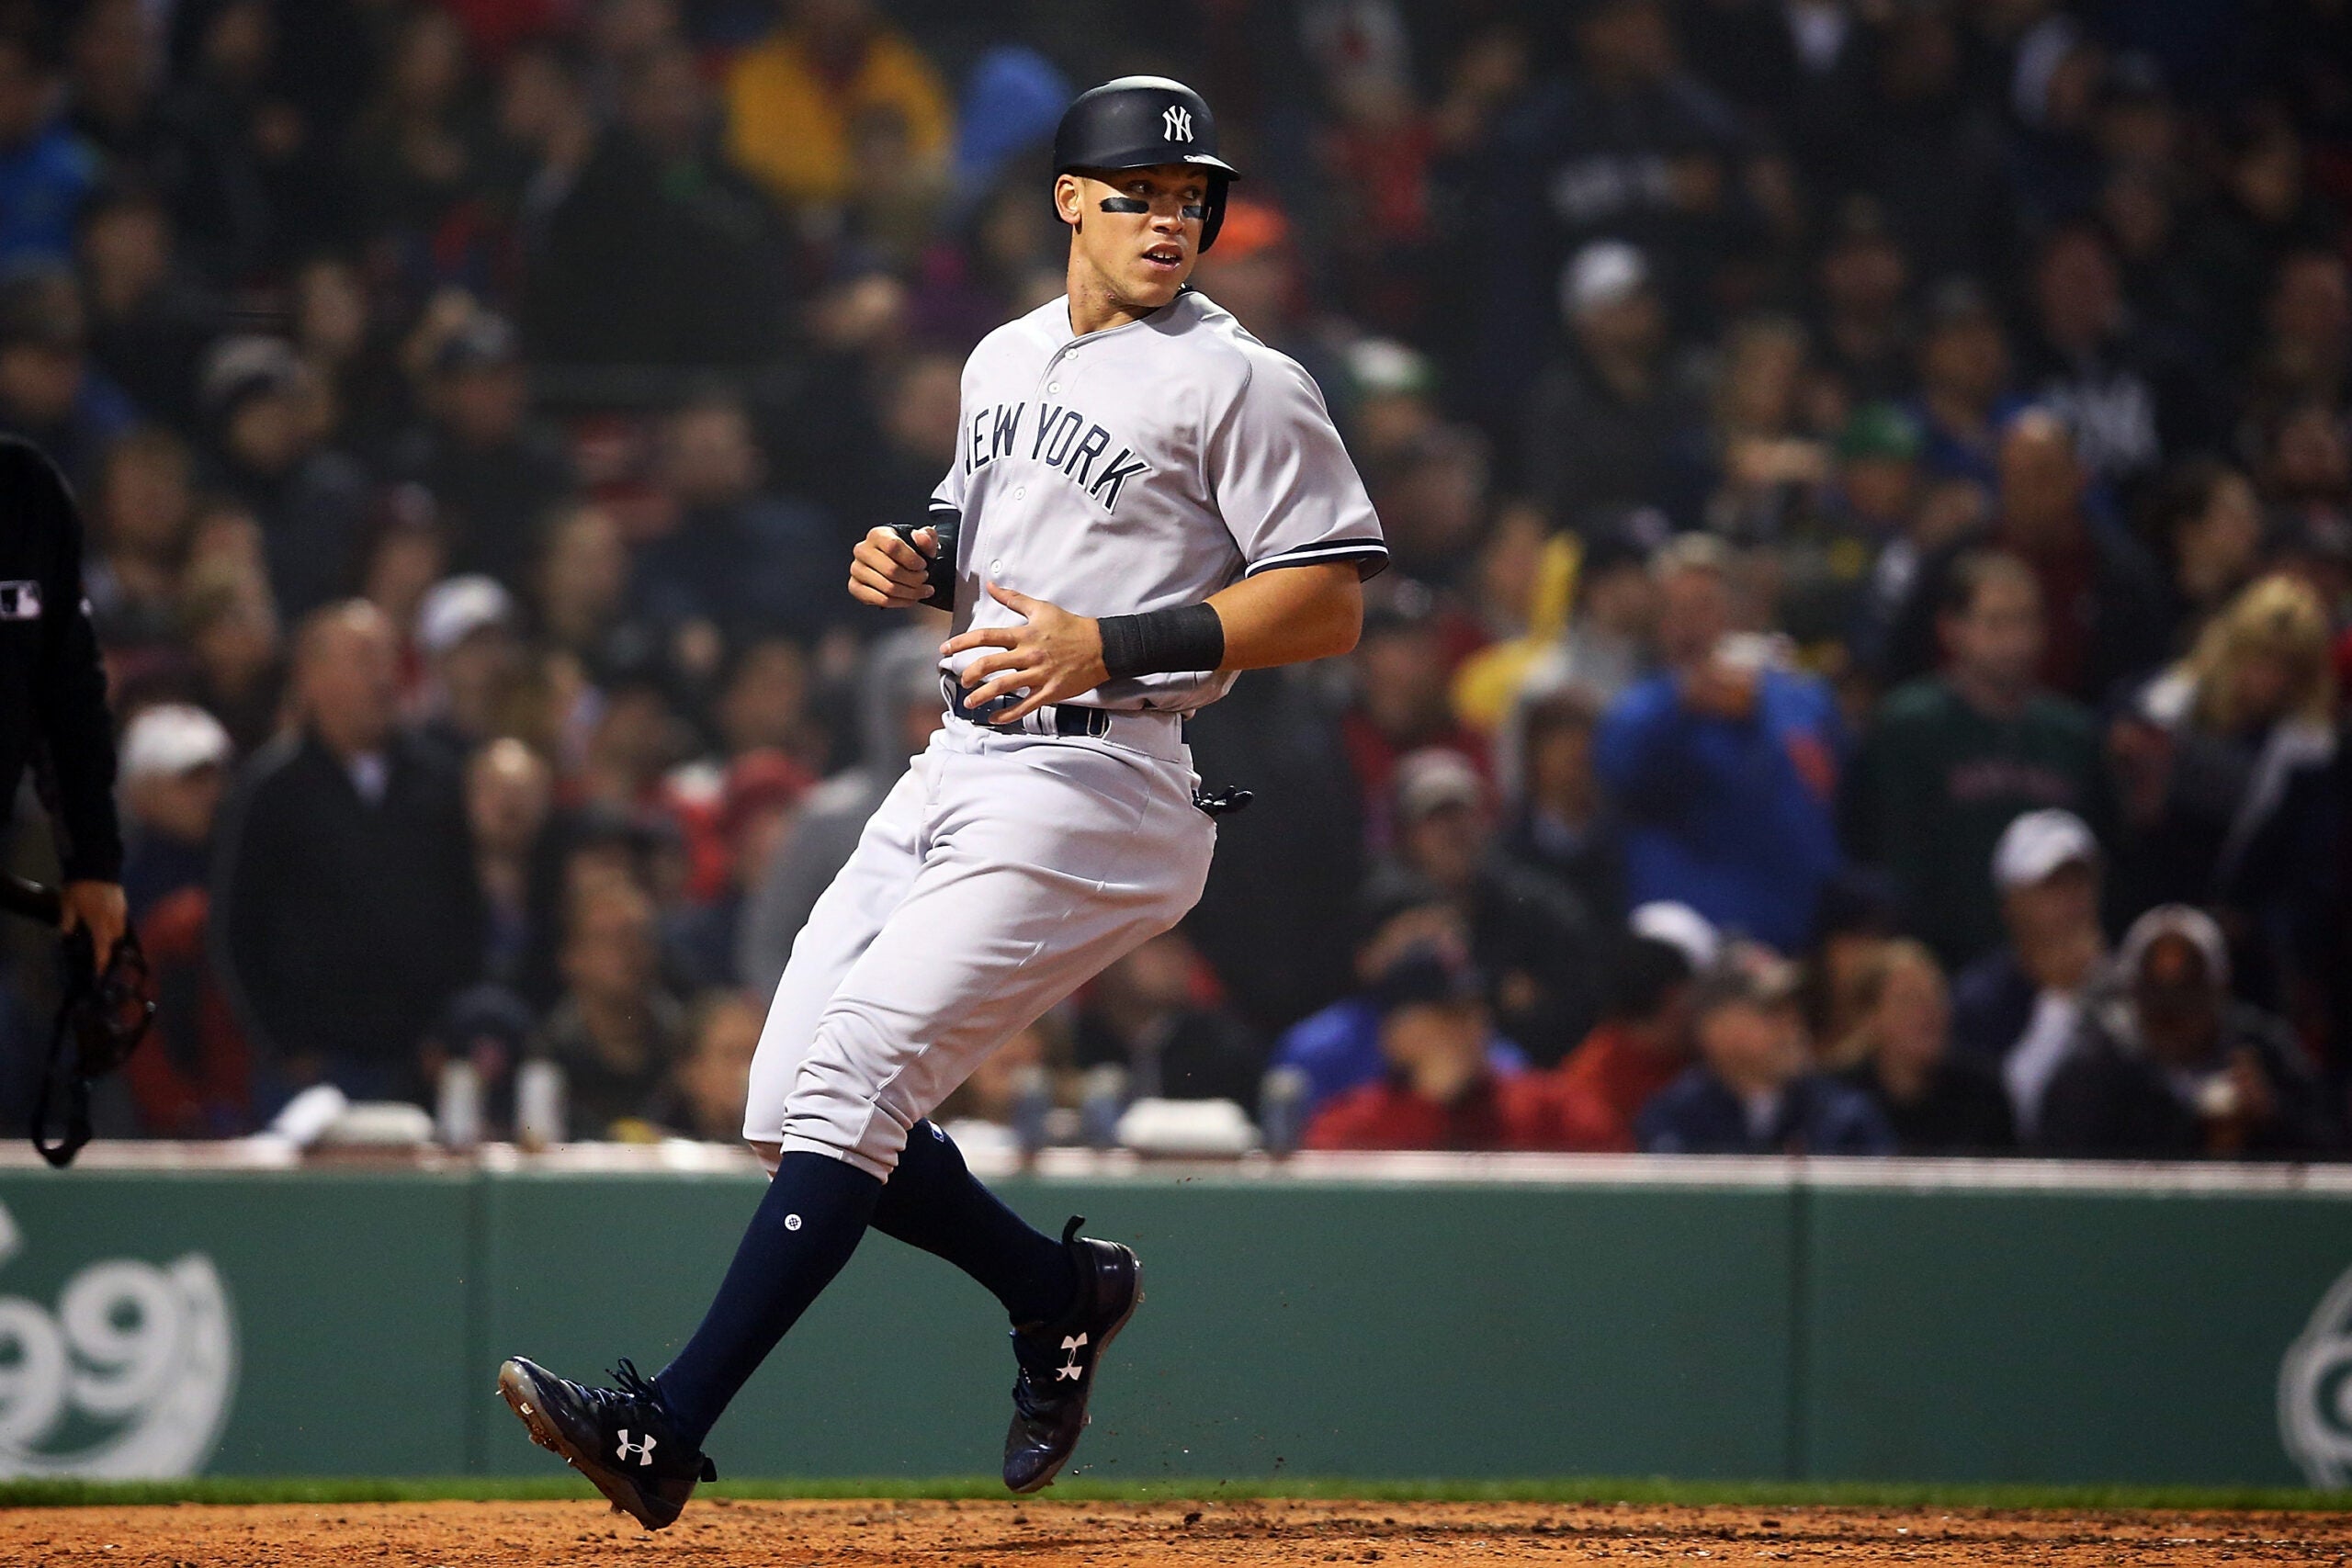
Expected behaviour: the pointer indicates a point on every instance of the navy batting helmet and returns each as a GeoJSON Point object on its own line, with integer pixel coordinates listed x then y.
{"type": "Point", "coordinates": [1138, 122]}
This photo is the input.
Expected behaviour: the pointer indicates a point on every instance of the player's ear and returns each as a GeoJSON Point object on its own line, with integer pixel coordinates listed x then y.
{"type": "Point", "coordinates": [1070, 200]}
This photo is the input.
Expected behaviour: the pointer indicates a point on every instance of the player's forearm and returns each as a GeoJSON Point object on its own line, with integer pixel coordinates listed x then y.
{"type": "Point", "coordinates": [1290, 615]}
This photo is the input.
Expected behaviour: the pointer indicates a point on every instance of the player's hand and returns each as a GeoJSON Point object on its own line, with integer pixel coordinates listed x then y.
{"type": "Point", "coordinates": [888, 572]}
{"type": "Point", "coordinates": [98, 908]}
{"type": "Point", "coordinates": [1056, 656]}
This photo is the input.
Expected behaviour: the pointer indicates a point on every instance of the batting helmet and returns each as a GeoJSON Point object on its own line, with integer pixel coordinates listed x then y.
{"type": "Point", "coordinates": [1138, 122]}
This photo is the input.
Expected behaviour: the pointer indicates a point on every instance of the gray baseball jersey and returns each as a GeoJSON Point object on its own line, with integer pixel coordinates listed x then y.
{"type": "Point", "coordinates": [1141, 467]}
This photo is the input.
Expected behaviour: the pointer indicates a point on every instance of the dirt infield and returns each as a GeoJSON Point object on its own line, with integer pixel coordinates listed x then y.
{"type": "Point", "coordinates": [722, 1533]}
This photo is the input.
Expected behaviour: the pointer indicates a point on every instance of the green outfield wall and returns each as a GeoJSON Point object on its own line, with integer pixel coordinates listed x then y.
{"type": "Point", "coordinates": [1403, 1319]}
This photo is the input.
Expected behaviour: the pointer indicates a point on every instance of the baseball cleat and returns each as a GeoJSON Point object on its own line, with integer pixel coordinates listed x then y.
{"type": "Point", "coordinates": [620, 1439]}
{"type": "Point", "coordinates": [1058, 1359]}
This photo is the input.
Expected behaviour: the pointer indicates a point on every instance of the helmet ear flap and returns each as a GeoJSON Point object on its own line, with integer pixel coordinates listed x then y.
{"type": "Point", "coordinates": [1215, 220]}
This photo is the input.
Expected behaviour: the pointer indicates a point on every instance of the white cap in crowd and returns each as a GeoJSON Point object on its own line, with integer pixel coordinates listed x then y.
{"type": "Point", "coordinates": [1680, 927]}
{"type": "Point", "coordinates": [1434, 778]}
{"type": "Point", "coordinates": [173, 738]}
{"type": "Point", "coordinates": [2038, 844]}
{"type": "Point", "coordinates": [2192, 926]}
{"type": "Point", "coordinates": [456, 607]}
{"type": "Point", "coordinates": [1605, 272]}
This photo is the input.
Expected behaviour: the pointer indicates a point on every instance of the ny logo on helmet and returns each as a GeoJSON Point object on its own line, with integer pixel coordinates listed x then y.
{"type": "Point", "coordinates": [1179, 120]}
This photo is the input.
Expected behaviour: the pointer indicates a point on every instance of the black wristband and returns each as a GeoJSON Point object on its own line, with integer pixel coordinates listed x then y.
{"type": "Point", "coordinates": [1182, 638]}
{"type": "Point", "coordinates": [946, 523]}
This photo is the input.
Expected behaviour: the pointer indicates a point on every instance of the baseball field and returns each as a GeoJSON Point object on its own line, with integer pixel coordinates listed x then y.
{"type": "Point", "coordinates": [973, 1525]}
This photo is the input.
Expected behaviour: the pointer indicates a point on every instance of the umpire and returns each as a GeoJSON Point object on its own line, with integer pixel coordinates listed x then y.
{"type": "Point", "coordinates": [53, 692]}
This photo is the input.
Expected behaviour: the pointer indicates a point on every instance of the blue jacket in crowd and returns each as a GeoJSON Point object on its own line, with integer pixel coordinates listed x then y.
{"type": "Point", "coordinates": [1698, 1114]}
{"type": "Point", "coordinates": [1732, 816]}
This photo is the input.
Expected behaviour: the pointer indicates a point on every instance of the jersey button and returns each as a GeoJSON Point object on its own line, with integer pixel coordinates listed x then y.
{"type": "Point", "coordinates": [1020, 492]}
{"type": "Point", "coordinates": [995, 566]}
{"type": "Point", "coordinates": [1053, 385]}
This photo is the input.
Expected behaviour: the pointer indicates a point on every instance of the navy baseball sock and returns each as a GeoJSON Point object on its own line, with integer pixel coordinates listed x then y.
{"type": "Point", "coordinates": [808, 1223]}
{"type": "Point", "coordinates": [933, 1201]}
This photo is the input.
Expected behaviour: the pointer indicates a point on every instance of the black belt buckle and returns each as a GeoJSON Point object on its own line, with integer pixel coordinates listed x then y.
{"type": "Point", "coordinates": [953, 690]}
{"type": "Point", "coordinates": [1073, 721]}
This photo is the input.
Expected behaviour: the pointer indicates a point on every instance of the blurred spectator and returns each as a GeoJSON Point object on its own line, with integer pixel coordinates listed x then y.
{"type": "Point", "coordinates": [1935, 1102]}
{"type": "Point", "coordinates": [1627, 144]}
{"type": "Point", "coordinates": [1643, 1041]}
{"type": "Point", "coordinates": [1610, 640]}
{"type": "Point", "coordinates": [467, 636]}
{"type": "Point", "coordinates": [733, 557]}
{"type": "Point", "coordinates": [229, 620]}
{"type": "Point", "coordinates": [2206, 523]}
{"type": "Point", "coordinates": [1532, 939]}
{"type": "Point", "coordinates": [900, 708]}
{"type": "Point", "coordinates": [345, 842]}
{"type": "Point", "coordinates": [1752, 1089]}
{"type": "Point", "coordinates": [1266, 919]}
{"type": "Point", "coordinates": [1854, 922]}
{"type": "Point", "coordinates": [2015, 1009]}
{"type": "Point", "coordinates": [1863, 280]}
{"type": "Point", "coordinates": [1338, 1048]}
{"type": "Point", "coordinates": [798, 102]}
{"type": "Point", "coordinates": [617, 1034]}
{"type": "Point", "coordinates": [310, 498]}
{"type": "Point", "coordinates": [509, 792]}
{"type": "Point", "coordinates": [174, 769]}
{"type": "Point", "coordinates": [2127, 397]}
{"type": "Point", "coordinates": [2168, 1066]}
{"type": "Point", "coordinates": [1964, 397]}
{"type": "Point", "coordinates": [1149, 1013]}
{"type": "Point", "coordinates": [581, 589]}
{"type": "Point", "coordinates": [1558, 820]}
{"type": "Point", "coordinates": [495, 471]}
{"type": "Point", "coordinates": [45, 169]}
{"type": "Point", "coordinates": [757, 804]}
{"type": "Point", "coordinates": [1440, 1088]}
{"type": "Point", "coordinates": [1953, 759]}
{"type": "Point", "coordinates": [336, 330]}
{"type": "Point", "coordinates": [145, 504]}
{"type": "Point", "coordinates": [2230, 779]}
{"type": "Point", "coordinates": [708, 1088]}
{"type": "Point", "coordinates": [763, 704]}
{"type": "Point", "coordinates": [658, 251]}
{"type": "Point", "coordinates": [2102, 599]}
{"type": "Point", "coordinates": [1724, 764]}
{"type": "Point", "coordinates": [1401, 700]}
{"type": "Point", "coordinates": [1609, 428]}
{"type": "Point", "coordinates": [50, 392]}
{"type": "Point", "coordinates": [148, 323]}
{"type": "Point", "coordinates": [193, 1079]}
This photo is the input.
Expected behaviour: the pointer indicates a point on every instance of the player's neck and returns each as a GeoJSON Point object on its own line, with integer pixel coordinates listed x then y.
{"type": "Point", "coordinates": [1093, 308]}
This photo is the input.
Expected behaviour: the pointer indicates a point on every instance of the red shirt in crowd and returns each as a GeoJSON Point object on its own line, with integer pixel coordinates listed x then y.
{"type": "Point", "coordinates": [1497, 1113]}
{"type": "Point", "coordinates": [1603, 1085]}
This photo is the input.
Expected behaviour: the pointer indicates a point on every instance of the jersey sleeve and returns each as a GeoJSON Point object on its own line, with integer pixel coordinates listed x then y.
{"type": "Point", "coordinates": [1285, 486]}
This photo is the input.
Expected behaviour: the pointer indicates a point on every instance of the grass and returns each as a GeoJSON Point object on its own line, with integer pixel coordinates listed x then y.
{"type": "Point", "coordinates": [54, 1494]}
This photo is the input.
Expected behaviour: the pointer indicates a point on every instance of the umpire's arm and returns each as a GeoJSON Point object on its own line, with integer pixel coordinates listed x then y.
{"type": "Point", "coordinates": [73, 747]}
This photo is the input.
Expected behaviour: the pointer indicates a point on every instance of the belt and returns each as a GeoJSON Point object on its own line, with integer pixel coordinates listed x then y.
{"type": "Point", "coordinates": [1146, 730]}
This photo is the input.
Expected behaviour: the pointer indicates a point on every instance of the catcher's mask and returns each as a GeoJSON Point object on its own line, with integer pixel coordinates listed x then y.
{"type": "Point", "coordinates": [101, 1017]}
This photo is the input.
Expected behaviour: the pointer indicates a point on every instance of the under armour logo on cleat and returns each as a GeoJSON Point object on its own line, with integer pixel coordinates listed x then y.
{"type": "Point", "coordinates": [640, 1451]}
{"type": "Point", "coordinates": [1072, 1371]}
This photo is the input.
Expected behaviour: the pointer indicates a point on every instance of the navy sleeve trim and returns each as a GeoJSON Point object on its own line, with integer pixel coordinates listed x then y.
{"type": "Point", "coordinates": [1372, 554]}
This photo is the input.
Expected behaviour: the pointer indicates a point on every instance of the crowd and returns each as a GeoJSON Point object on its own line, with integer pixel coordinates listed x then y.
{"type": "Point", "coordinates": [1869, 484]}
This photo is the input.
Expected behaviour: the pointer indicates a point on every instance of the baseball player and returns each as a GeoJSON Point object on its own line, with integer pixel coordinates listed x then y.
{"type": "Point", "coordinates": [1145, 501]}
